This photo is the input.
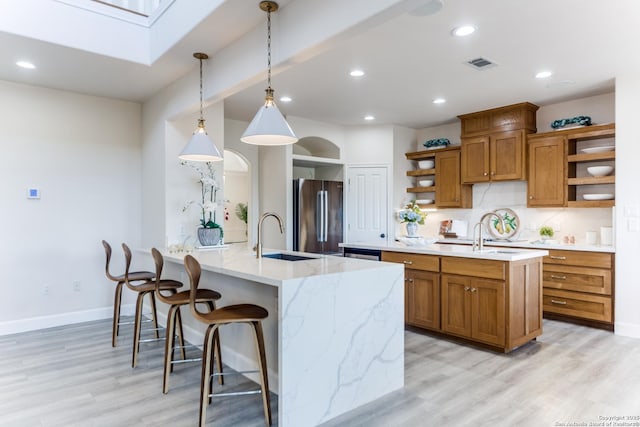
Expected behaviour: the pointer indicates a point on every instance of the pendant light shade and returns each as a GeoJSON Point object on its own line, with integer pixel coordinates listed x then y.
{"type": "Point", "coordinates": [200, 147]}
{"type": "Point", "coordinates": [269, 127]}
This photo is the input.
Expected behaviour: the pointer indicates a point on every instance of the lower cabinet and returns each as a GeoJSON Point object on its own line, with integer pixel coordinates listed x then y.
{"type": "Point", "coordinates": [422, 299]}
{"type": "Point", "coordinates": [474, 308]}
{"type": "Point", "coordinates": [496, 303]}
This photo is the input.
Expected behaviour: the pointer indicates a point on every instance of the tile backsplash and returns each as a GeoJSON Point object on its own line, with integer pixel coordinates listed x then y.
{"type": "Point", "coordinates": [512, 194]}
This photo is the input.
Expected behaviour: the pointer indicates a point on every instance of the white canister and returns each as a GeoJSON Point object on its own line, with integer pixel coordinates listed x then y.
{"type": "Point", "coordinates": [591, 237]}
{"type": "Point", "coordinates": [606, 236]}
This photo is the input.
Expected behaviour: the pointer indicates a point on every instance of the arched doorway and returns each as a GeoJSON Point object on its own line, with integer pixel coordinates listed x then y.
{"type": "Point", "coordinates": [237, 193]}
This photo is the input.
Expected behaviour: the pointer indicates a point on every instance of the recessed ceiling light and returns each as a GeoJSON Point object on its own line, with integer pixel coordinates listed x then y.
{"type": "Point", "coordinates": [25, 64]}
{"type": "Point", "coordinates": [543, 74]}
{"type": "Point", "coordinates": [285, 98]}
{"type": "Point", "coordinates": [356, 73]}
{"type": "Point", "coordinates": [439, 101]}
{"type": "Point", "coordinates": [463, 30]}
{"type": "Point", "coordinates": [369, 118]}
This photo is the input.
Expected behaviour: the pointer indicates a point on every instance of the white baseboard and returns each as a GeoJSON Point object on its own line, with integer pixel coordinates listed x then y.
{"type": "Point", "coordinates": [44, 322]}
{"type": "Point", "coordinates": [630, 330]}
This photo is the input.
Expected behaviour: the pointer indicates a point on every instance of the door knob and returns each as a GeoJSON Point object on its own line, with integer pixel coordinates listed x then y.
{"type": "Point", "coordinates": [383, 235]}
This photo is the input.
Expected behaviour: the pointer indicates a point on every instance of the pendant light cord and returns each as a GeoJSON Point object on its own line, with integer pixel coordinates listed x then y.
{"type": "Point", "coordinates": [201, 113]}
{"type": "Point", "coordinates": [269, 47]}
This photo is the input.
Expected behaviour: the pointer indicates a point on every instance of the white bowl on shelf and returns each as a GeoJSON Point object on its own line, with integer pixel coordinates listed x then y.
{"type": "Point", "coordinates": [424, 201]}
{"type": "Point", "coordinates": [425, 182]}
{"type": "Point", "coordinates": [600, 170]}
{"type": "Point", "coordinates": [601, 196]}
{"type": "Point", "coordinates": [426, 164]}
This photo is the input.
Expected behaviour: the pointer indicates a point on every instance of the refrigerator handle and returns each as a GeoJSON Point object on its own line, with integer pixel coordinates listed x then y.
{"type": "Point", "coordinates": [326, 215]}
{"type": "Point", "coordinates": [319, 216]}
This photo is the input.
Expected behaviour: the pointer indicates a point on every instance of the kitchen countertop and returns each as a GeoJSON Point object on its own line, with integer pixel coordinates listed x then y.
{"type": "Point", "coordinates": [534, 245]}
{"type": "Point", "coordinates": [462, 251]}
{"type": "Point", "coordinates": [240, 261]}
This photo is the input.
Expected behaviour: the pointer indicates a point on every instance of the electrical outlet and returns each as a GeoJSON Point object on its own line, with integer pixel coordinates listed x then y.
{"type": "Point", "coordinates": [76, 286]}
{"type": "Point", "coordinates": [45, 289]}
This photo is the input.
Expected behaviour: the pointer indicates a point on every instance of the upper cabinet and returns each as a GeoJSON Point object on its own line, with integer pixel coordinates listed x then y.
{"type": "Point", "coordinates": [494, 143]}
{"type": "Point", "coordinates": [572, 167]}
{"type": "Point", "coordinates": [442, 174]}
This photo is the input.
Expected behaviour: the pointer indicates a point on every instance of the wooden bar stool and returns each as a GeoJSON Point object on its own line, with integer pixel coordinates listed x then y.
{"type": "Point", "coordinates": [134, 276]}
{"type": "Point", "coordinates": [146, 288]}
{"type": "Point", "coordinates": [239, 313]}
{"type": "Point", "coordinates": [175, 301]}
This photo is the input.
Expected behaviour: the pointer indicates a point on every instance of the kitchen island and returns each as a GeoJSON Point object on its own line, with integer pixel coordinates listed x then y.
{"type": "Point", "coordinates": [491, 297]}
{"type": "Point", "coordinates": [335, 333]}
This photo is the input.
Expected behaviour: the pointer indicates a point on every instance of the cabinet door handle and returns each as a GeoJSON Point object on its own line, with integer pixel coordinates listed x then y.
{"type": "Point", "coordinates": [557, 257]}
{"type": "Point", "coordinates": [474, 290]}
{"type": "Point", "coordinates": [466, 288]}
{"type": "Point", "coordinates": [485, 174]}
{"type": "Point", "coordinates": [558, 277]}
{"type": "Point", "coordinates": [558, 302]}
{"type": "Point", "coordinates": [407, 262]}
{"type": "Point", "coordinates": [530, 197]}
{"type": "Point", "coordinates": [493, 173]}
{"type": "Point", "coordinates": [410, 280]}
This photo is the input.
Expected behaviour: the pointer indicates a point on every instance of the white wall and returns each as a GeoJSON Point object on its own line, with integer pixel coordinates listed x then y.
{"type": "Point", "coordinates": [627, 206]}
{"type": "Point", "coordinates": [83, 153]}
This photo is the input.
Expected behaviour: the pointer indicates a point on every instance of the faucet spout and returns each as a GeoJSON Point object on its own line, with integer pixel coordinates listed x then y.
{"type": "Point", "coordinates": [478, 245]}
{"type": "Point", "coordinates": [262, 218]}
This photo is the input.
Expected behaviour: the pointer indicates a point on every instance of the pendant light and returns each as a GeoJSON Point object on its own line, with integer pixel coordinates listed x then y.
{"type": "Point", "coordinates": [200, 147]}
{"type": "Point", "coordinates": [269, 126]}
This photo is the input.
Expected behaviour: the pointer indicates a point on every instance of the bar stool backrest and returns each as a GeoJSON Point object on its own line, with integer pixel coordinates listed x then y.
{"type": "Point", "coordinates": [107, 251]}
{"type": "Point", "coordinates": [127, 265]}
{"type": "Point", "coordinates": [158, 259]}
{"type": "Point", "coordinates": [194, 271]}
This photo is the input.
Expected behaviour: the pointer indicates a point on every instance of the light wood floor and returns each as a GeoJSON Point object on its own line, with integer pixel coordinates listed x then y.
{"type": "Point", "coordinates": [70, 376]}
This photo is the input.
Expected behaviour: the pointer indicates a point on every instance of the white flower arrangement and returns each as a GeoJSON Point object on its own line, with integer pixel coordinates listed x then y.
{"type": "Point", "coordinates": [209, 190]}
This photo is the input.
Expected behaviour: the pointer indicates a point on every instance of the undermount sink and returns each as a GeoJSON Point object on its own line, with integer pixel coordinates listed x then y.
{"type": "Point", "coordinates": [287, 257]}
{"type": "Point", "coordinates": [501, 251]}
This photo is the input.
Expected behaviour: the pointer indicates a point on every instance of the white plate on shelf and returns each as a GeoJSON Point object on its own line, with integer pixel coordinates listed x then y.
{"type": "Point", "coordinates": [602, 196]}
{"type": "Point", "coordinates": [597, 149]}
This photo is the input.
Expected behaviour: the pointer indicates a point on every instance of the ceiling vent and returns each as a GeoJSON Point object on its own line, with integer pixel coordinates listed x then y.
{"type": "Point", "coordinates": [481, 63]}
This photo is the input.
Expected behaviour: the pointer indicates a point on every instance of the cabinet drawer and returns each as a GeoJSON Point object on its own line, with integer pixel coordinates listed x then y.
{"type": "Point", "coordinates": [582, 279]}
{"type": "Point", "coordinates": [587, 259]}
{"type": "Point", "coordinates": [474, 267]}
{"type": "Point", "coordinates": [414, 261]}
{"type": "Point", "coordinates": [577, 304]}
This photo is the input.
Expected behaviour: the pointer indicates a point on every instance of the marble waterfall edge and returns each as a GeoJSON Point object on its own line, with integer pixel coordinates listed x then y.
{"type": "Point", "coordinates": [355, 358]}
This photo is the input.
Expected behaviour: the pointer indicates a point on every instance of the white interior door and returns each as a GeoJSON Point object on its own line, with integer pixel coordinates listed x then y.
{"type": "Point", "coordinates": [366, 204]}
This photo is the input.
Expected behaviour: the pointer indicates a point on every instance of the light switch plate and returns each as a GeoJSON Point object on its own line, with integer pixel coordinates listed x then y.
{"type": "Point", "coordinates": [33, 193]}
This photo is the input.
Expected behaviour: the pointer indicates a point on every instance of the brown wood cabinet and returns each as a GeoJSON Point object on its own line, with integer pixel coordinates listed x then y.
{"type": "Point", "coordinates": [547, 185]}
{"type": "Point", "coordinates": [448, 190]}
{"type": "Point", "coordinates": [579, 286]}
{"type": "Point", "coordinates": [496, 303]}
{"type": "Point", "coordinates": [563, 152]}
{"type": "Point", "coordinates": [493, 143]}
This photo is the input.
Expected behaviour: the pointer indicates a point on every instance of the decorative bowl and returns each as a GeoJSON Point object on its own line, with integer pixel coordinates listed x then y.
{"type": "Point", "coordinates": [600, 170]}
{"type": "Point", "coordinates": [426, 164]}
{"type": "Point", "coordinates": [425, 182]}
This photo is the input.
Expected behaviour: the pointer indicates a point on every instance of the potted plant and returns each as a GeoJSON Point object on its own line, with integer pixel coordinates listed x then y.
{"type": "Point", "coordinates": [412, 215]}
{"type": "Point", "coordinates": [210, 233]}
{"type": "Point", "coordinates": [546, 232]}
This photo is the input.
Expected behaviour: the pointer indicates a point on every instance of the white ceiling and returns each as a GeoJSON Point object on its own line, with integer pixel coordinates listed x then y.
{"type": "Point", "coordinates": [408, 61]}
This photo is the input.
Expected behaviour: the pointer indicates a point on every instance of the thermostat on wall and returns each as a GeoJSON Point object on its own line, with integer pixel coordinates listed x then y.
{"type": "Point", "coordinates": [33, 193]}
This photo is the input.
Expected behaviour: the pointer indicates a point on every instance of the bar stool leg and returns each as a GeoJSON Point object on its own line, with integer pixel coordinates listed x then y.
{"type": "Point", "coordinates": [136, 330]}
{"type": "Point", "coordinates": [216, 347]}
{"type": "Point", "coordinates": [205, 383]}
{"type": "Point", "coordinates": [154, 312]}
{"type": "Point", "coordinates": [116, 314]}
{"type": "Point", "coordinates": [257, 328]}
{"type": "Point", "coordinates": [180, 335]}
{"type": "Point", "coordinates": [168, 347]}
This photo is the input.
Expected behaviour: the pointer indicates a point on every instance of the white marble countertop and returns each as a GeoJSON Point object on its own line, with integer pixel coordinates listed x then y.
{"type": "Point", "coordinates": [463, 251]}
{"type": "Point", "coordinates": [239, 261]}
{"type": "Point", "coordinates": [535, 245]}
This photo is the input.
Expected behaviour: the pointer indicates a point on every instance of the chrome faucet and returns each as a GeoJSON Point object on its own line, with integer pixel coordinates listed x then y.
{"type": "Point", "coordinates": [478, 245]}
{"type": "Point", "coordinates": [262, 218]}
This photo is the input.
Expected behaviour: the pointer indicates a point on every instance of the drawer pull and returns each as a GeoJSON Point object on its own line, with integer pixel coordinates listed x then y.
{"type": "Point", "coordinates": [558, 257]}
{"type": "Point", "coordinates": [407, 262]}
{"type": "Point", "coordinates": [558, 302]}
{"type": "Point", "coordinates": [559, 277]}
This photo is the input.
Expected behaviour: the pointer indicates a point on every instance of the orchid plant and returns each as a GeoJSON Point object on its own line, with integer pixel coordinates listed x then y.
{"type": "Point", "coordinates": [209, 190]}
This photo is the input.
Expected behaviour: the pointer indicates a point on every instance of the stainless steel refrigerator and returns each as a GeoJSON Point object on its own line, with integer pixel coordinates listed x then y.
{"type": "Point", "coordinates": [317, 215]}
